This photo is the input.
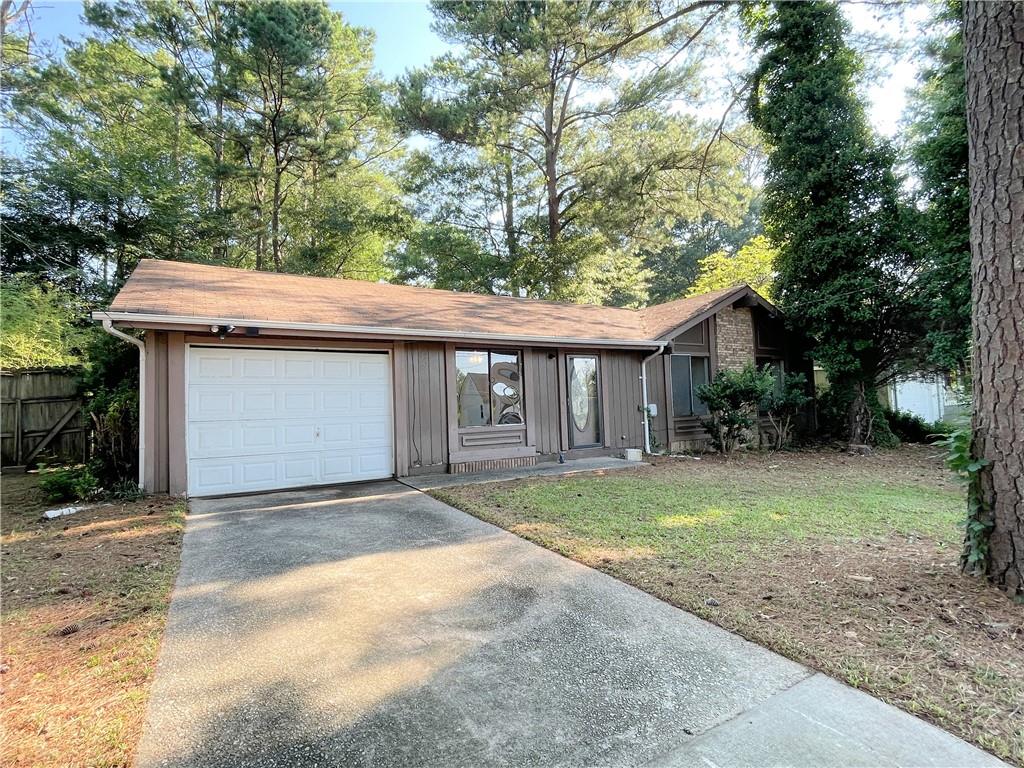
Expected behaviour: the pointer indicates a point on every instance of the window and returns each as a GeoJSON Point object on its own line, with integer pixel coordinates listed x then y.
{"type": "Point", "coordinates": [688, 373]}
{"type": "Point", "coordinates": [777, 368]}
{"type": "Point", "coordinates": [488, 388]}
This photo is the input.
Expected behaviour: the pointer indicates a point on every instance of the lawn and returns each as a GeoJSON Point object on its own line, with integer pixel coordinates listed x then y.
{"type": "Point", "coordinates": [85, 600]}
{"type": "Point", "coordinates": [845, 563]}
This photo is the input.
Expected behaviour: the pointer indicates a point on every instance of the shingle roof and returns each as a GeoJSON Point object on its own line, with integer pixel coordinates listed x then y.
{"type": "Point", "coordinates": [184, 290]}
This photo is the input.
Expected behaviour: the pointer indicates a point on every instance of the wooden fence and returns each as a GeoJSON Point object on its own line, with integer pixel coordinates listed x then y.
{"type": "Point", "coordinates": [41, 418]}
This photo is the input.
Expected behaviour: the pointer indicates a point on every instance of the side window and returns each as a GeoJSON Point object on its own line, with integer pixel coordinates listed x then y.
{"type": "Point", "coordinates": [681, 386]}
{"type": "Point", "coordinates": [688, 373]}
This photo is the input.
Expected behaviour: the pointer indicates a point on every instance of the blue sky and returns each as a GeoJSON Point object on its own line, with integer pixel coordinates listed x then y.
{"type": "Point", "coordinates": [405, 40]}
{"type": "Point", "coordinates": [404, 36]}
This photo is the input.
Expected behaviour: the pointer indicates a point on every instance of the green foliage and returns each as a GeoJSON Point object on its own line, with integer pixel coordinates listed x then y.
{"type": "Point", "coordinates": [673, 267]}
{"type": "Point", "coordinates": [753, 264]}
{"type": "Point", "coordinates": [833, 203]}
{"type": "Point", "coordinates": [938, 150]}
{"type": "Point", "coordinates": [42, 325]}
{"type": "Point", "coordinates": [69, 484]}
{"type": "Point", "coordinates": [910, 428]}
{"type": "Point", "coordinates": [978, 526]}
{"type": "Point", "coordinates": [732, 398]}
{"type": "Point", "coordinates": [250, 133]}
{"type": "Point", "coordinates": [559, 160]}
{"type": "Point", "coordinates": [783, 403]}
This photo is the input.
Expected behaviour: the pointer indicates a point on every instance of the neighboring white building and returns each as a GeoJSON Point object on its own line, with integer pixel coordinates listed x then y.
{"type": "Point", "coordinates": [932, 397]}
{"type": "Point", "coordinates": [929, 396]}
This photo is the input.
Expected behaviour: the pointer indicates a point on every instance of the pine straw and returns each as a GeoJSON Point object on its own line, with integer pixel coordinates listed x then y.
{"type": "Point", "coordinates": [85, 602]}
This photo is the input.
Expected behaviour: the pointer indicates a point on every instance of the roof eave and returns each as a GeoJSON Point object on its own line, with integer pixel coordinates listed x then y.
{"type": "Point", "coordinates": [143, 319]}
{"type": "Point", "coordinates": [741, 291]}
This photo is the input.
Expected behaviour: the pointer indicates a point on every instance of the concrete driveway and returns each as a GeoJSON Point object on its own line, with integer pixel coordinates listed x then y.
{"type": "Point", "coordinates": [375, 626]}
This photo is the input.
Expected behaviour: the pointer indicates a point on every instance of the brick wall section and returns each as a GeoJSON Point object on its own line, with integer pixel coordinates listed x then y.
{"type": "Point", "coordinates": [735, 338]}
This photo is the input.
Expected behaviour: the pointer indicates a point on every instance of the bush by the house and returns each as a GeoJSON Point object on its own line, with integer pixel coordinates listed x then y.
{"type": "Point", "coordinates": [783, 405]}
{"type": "Point", "coordinates": [732, 399]}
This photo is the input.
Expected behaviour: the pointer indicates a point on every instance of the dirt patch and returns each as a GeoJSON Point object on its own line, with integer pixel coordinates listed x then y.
{"type": "Point", "coordinates": [890, 614]}
{"type": "Point", "coordinates": [85, 602]}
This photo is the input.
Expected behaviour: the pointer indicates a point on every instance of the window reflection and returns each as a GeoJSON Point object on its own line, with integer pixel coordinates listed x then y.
{"type": "Point", "coordinates": [488, 388]}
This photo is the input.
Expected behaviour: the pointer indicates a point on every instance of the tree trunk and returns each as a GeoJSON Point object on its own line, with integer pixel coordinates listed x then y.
{"type": "Point", "coordinates": [859, 417]}
{"type": "Point", "coordinates": [275, 220]}
{"type": "Point", "coordinates": [994, 58]}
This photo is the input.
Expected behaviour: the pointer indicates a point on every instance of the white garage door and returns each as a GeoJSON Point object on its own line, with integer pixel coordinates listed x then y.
{"type": "Point", "coordinates": [261, 419]}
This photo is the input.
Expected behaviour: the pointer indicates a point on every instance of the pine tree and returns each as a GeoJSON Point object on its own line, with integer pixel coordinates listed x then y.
{"type": "Point", "coordinates": [832, 205]}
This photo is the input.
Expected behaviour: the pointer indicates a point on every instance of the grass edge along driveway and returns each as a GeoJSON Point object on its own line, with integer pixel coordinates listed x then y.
{"type": "Point", "coordinates": [845, 563]}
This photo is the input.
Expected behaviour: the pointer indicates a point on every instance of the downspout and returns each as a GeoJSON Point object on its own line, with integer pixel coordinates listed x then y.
{"type": "Point", "coordinates": [643, 389]}
{"type": "Point", "coordinates": [108, 326]}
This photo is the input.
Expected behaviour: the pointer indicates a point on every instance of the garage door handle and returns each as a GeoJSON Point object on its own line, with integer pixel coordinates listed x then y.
{"type": "Point", "coordinates": [316, 435]}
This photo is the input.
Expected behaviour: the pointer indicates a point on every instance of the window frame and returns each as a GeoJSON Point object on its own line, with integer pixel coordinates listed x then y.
{"type": "Point", "coordinates": [491, 425]}
{"type": "Point", "coordinates": [691, 413]}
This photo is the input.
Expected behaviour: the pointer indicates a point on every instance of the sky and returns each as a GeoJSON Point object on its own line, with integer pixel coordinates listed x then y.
{"type": "Point", "coordinates": [404, 39]}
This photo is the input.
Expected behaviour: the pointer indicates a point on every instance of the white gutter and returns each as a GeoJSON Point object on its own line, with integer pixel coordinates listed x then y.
{"type": "Point", "coordinates": [149, 319]}
{"type": "Point", "coordinates": [643, 388]}
{"type": "Point", "coordinates": [109, 328]}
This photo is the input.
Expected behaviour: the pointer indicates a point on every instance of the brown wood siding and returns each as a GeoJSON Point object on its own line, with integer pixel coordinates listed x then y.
{"type": "Point", "coordinates": [623, 398]}
{"type": "Point", "coordinates": [656, 395]}
{"type": "Point", "coordinates": [426, 406]}
{"type": "Point", "coordinates": [156, 475]}
{"type": "Point", "coordinates": [542, 396]}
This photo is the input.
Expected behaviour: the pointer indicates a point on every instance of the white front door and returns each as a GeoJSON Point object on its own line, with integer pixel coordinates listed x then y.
{"type": "Point", "coordinates": [263, 419]}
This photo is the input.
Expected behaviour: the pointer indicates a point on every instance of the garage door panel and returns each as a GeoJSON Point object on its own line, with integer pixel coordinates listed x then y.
{"type": "Point", "coordinates": [265, 419]}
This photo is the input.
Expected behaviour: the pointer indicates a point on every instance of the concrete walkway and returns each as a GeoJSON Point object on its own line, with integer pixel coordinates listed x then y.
{"type": "Point", "coordinates": [375, 626]}
{"type": "Point", "coordinates": [546, 469]}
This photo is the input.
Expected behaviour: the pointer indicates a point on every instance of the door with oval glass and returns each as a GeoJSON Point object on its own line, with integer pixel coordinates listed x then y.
{"type": "Point", "coordinates": [584, 401]}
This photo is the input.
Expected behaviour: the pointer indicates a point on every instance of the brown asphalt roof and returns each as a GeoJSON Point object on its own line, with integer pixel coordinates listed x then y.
{"type": "Point", "coordinates": [181, 289]}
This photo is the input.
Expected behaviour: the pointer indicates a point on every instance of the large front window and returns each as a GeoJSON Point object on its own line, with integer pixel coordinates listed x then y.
{"type": "Point", "coordinates": [688, 373]}
{"type": "Point", "coordinates": [489, 388]}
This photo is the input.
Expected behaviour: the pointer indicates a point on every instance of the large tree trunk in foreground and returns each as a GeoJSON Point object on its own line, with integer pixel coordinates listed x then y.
{"type": "Point", "coordinates": [994, 54]}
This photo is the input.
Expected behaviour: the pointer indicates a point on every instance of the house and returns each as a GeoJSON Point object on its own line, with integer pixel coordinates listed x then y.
{"type": "Point", "coordinates": [255, 381]}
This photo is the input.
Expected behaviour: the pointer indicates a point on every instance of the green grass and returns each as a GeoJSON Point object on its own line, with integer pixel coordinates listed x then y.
{"type": "Point", "coordinates": [673, 513]}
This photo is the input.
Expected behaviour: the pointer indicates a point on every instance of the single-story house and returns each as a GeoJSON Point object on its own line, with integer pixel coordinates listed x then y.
{"type": "Point", "coordinates": [254, 381]}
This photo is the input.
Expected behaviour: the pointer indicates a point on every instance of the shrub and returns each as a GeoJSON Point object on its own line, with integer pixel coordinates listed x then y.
{"type": "Point", "coordinates": [126, 490]}
{"type": "Point", "coordinates": [784, 405]}
{"type": "Point", "coordinates": [910, 428]}
{"type": "Point", "coordinates": [112, 403]}
{"type": "Point", "coordinates": [732, 399]}
{"type": "Point", "coordinates": [70, 484]}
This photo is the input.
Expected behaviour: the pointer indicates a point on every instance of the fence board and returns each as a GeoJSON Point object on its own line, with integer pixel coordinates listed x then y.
{"type": "Point", "coordinates": [32, 403]}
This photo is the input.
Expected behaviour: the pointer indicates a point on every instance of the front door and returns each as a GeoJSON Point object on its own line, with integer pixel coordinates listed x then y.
{"type": "Point", "coordinates": [584, 401]}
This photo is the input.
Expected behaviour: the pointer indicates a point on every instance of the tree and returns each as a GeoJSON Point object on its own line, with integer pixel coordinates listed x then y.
{"type": "Point", "coordinates": [674, 267]}
{"type": "Point", "coordinates": [938, 142]}
{"type": "Point", "coordinates": [107, 174]}
{"type": "Point", "coordinates": [565, 142]}
{"type": "Point", "coordinates": [41, 326]}
{"type": "Point", "coordinates": [846, 266]}
{"type": "Point", "coordinates": [994, 55]}
{"type": "Point", "coordinates": [753, 265]}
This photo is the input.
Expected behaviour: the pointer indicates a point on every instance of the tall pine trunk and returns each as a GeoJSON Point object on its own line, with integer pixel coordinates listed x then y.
{"type": "Point", "coordinates": [994, 57]}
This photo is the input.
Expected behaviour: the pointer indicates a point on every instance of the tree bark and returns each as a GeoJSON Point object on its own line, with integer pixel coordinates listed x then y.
{"type": "Point", "coordinates": [994, 58]}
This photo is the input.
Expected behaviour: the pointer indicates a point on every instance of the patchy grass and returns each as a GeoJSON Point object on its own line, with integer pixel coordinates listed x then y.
{"type": "Point", "coordinates": [845, 563]}
{"type": "Point", "coordinates": [85, 602]}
